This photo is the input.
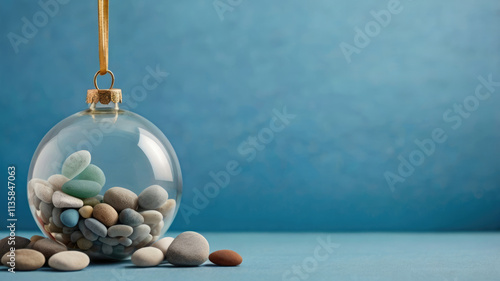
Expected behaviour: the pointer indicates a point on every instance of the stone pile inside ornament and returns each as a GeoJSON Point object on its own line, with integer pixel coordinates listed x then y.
{"type": "Point", "coordinates": [113, 225]}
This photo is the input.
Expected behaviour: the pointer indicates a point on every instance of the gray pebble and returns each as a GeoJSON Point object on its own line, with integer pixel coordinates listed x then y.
{"type": "Point", "coordinates": [125, 241]}
{"type": "Point", "coordinates": [109, 241]}
{"type": "Point", "coordinates": [120, 230]}
{"type": "Point", "coordinates": [151, 217]}
{"type": "Point", "coordinates": [89, 235]}
{"type": "Point", "coordinates": [156, 229]}
{"type": "Point", "coordinates": [56, 217]}
{"type": "Point", "coordinates": [140, 232]}
{"type": "Point", "coordinates": [188, 249]}
{"type": "Point", "coordinates": [44, 191]}
{"type": "Point", "coordinates": [46, 211]}
{"type": "Point", "coordinates": [106, 249]}
{"type": "Point", "coordinates": [152, 197]}
{"type": "Point", "coordinates": [96, 226]}
{"type": "Point", "coordinates": [131, 217]}
{"type": "Point", "coordinates": [75, 236]}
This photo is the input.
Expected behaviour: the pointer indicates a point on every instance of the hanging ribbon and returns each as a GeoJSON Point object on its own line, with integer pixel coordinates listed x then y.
{"type": "Point", "coordinates": [103, 15]}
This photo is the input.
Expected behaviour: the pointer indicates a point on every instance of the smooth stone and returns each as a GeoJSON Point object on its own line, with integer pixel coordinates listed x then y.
{"type": "Point", "coordinates": [70, 217]}
{"type": "Point", "coordinates": [63, 200]}
{"type": "Point", "coordinates": [63, 238]}
{"type": "Point", "coordinates": [35, 238]}
{"type": "Point", "coordinates": [157, 228]}
{"type": "Point", "coordinates": [82, 188]}
{"type": "Point", "coordinates": [75, 163]}
{"type": "Point", "coordinates": [131, 217]}
{"type": "Point", "coordinates": [69, 261]}
{"type": "Point", "coordinates": [109, 241]}
{"type": "Point", "coordinates": [96, 227]}
{"type": "Point", "coordinates": [100, 198]}
{"type": "Point", "coordinates": [84, 244]}
{"type": "Point", "coordinates": [152, 197]}
{"type": "Point", "coordinates": [105, 214]}
{"type": "Point", "coordinates": [56, 216]}
{"type": "Point", "coordinates": [89, 235]}
{"type": "Point", "coordinates": [92, 201]}
{"type": "Point", "coordinates": [225, 258]}
{"type": "Point", "coordinates": [54, 228]}
{"type": "Point", "coordinates": [20, 243]}
{"type": "Point", "coordinates": [168, 208]}
{"type": "Point", "coordinates": [163, 244]}
{"type": "Point", "coordinates": [120, 230]}
{"type": "Point", "coordinates": [106, 249]}
{"type": "Point", "coordinates": [144, 242]}
{"type": "Point", "coordinates": [46, 211]}
{"type": "Point", "coordinates": [25, 259]}
{"type": "Point", "coordinates": [48, 247]}
{"type": "Point", "coordinates": [31, 184]}
{"type": "Point", "coordinates": [125, 241]}
{"type": "Point", "coordinates": [69, 230]}
{"type": "Point", "coordinates": [140, 232]}
{"type": "Point", "coordinates": [120, 198]}
{"type": "Point", "coordinates": [151, 217]}
{"type": "Point", "coordinates": [188, 249]}
{"type": "Point", "coordinates": [57, 181]}
{"type": "Point", "coordinates": [92, 173]}
{"type": "Point", "coordinates": [44, 191]}
{"type": "Point", "coordinates": [148, 256]}
{"type": "Point", "coordinates": [75, 236]}
{"type": "Point", "coordinates": [36, 202]}
{"type": "Point", "coordinates": [86, 211]}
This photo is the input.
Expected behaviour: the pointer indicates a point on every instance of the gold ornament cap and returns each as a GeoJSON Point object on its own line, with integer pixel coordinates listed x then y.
{"type": "Point", "coordinates": [104, 96]}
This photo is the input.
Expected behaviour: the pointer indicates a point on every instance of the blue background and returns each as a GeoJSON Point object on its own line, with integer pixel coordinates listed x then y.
{"type": "Point", "coordinates": [325, 170]}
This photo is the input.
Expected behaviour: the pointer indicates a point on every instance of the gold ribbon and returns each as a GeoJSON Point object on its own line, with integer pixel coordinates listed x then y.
{"type": "Point", "coordinates": [103, 15]}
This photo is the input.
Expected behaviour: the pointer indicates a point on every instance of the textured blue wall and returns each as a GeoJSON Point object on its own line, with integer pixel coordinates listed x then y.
{"type": "Point", "coordinates": [231, 68]}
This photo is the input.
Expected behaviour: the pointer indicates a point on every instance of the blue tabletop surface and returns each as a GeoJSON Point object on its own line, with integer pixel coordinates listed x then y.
{"type": "Point", "coordinates": [304, 256]}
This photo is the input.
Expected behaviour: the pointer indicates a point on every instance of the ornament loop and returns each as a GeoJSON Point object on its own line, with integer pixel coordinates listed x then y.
{"type": "Point", "coordinates": [112, 79]}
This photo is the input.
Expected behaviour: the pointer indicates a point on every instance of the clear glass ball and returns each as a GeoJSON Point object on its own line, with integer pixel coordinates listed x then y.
{"type": "Point", "coordinates": [129, 152]}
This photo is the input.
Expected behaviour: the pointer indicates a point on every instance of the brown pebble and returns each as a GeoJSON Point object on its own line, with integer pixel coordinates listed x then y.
{"type": "Point", "coordinates": [35, 238]}
{"type": "Point", "coordinates": [106, 214]}
{"type": "Point", "coordinates": [6, 243]}
{"type": "Point", "coordinates": [25, 259]}
{"type": "Point", "coordinates": [121, 198]}
{"type": "Point", "coordinates": [225, 258]}
{"type": "Point", "coordinates": [48, 247]}
{"type": "Point", "coordinates": [86, 211]}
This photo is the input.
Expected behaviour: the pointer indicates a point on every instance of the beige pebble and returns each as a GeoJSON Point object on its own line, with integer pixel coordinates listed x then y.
{"type": "Point", "coordinates": [63, 200]}
{"type": "Point", "coordinates": [148, 240]}
{"type": "Point", "coordinates": [57, 181]}
{"type": "Point", "coordinates": [156, 229]}
{"type": "Point", "coordinates": [84, 244]}
{"type": "Point", "coordinates": [86, 211]}
{"type": "Point", "coordinates": [151, 217]}
{"type": "Point", "coordinates": [106, 214]}
{"type": "Point", "coordinates": [163, 244]}
{"type": "Point", "coordinates": [149, 256]}
{"type": "Point", "coordinates": [69, 261]}
{"type": "Point", "coordinates": [48, 247]}
{"type": "Point", "coordinates": [120, 198]}
{"type": "Point", "coordinates": [24, 259]}
{"type": "Point", "coordinates": [44, 191]}
{"type": "Point", "coordinates": [167, 209]}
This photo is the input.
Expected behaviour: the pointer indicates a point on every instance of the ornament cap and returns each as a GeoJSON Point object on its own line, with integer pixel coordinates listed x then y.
{"type": "Point", "coordinates": [104, 96]}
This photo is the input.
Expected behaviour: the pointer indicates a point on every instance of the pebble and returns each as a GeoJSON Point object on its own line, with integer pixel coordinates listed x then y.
{"type": "Point", "coordinates": [44, 191]}
{"type": "Point", "coordinates": [25, 259]}
{"type": "Point", "coordinates": [70, 217]}
{"type": "Point", "coordinates": [46, 211]}
{"type": "Point", "coordinates": [62, 200]}
{"type": "Point", "coordinates": [69, 261]}
{"type": "Point", "coordinates": [21, 243]}
{"type": "Point", "coordinates": [75, 236]}
{"type": "Point", "coordinates": [152, 197]}
{"type": "Point", "coordinates": [84, 244]}
{"type": "Point", "coordinates": [120, 198]}
{"type": "Point", "coordinates": [140, 232]}
{"type": "Point", "coordinates": [48, 247]}
{"type": "Point", "coordinates": [167, 208]}
{"type": "Point", "coordinates": [92, 201]}
{"type": "Point", "coordinates": [89, 235]}
{"type": "Point", "coordinates": [151, 217]}
{"type": "Point", "coordinates": [148, 256]}
{"type": "Point", "coordinates": [131, 217]}
{"type": "Point", "coordinates": [86, 211]}
{"type": "Point", "coordinates": [144, 242]}
{"type": "Point", "coordinates": [76, 163]}
{"type": "Point", "coordinates": [57, 181]}
{"type": "Point", "coordinates": [106, 249]}
{"type": "Point", "coordinates": [109, 241]}
{"type": "Point", "coordinates": [96, 227]}
{"type": "Point", "coordinates": [36, 202]}
{"type": "Point", "coordinates": [69, 230]}
{"type": "Point", "coordinates": [125, 241]}
{"type": "Point", "coordinates": [188, 249]}
{"type": "Point", "coordinates": [82, 188]}
{"type": "Point", "coordinates": [34, 238]}
{"type": "Point", "coordinates": [105, 214]}
{"type": "Point", "coordinates": [225, 258]}
{"type": "Point", "coordinates": [56, 216]}
{"type": "Point", "coordinates": [63, 238]}
{"type": "Point", "coordinates": [121, 230]}
{"type": "Point", "coordinates": [163, 244]}
{"type": "Point", "coordinates": [156, 229]}
{"type": "Point", "coordinates": [92, 173]}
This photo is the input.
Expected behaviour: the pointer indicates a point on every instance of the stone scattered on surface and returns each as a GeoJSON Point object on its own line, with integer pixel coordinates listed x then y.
{"type": "Point", "coordinates": [21, 243]}
{"type": "Point", "coordinates": [75, 163]}
{"type": "Point", "coordinates": [24, 259]}
{"type": "Point", "coordinates": [96, 227]}
{"type": "Point", "coordinates": [63, 200]}
{"type": "Point", "coordinates": [163, 244]}
{"type": "Point", "coordinates": [92, 173]}
{"type": "Point", "coordinates": [120, 230]}
{"type": "Point", "coordinates": [82, 188]}
{"type": "Point", "coordinates": [152, 197]}
{"type": "Point", "coordinates": [151, 217]}
{"type": "Point", "coordinates": [44, 191]}
{"type": "Point", "coordinates": [86, 211]}
{"type": "Point", "coordinates": [70, 217]}
{"type": "Point", "coordinates": [69, 261]}
{"type": "Point", "coordinates": [120, 198]}
{"type": "Point", "coordinates": [57, 181]}
{"type": "Point", "coordinates": [131, 217]}
{"type": "Point", "coordinates": [48, 247]}
{"type": "Point", "coordinates": [188, 249]}
{"type": "Point", "coordinates": [148, 256]}
{"type": "Point", "coordinates": [106, 214]}
{"type": "Point", "coordinates": [225, 258]}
